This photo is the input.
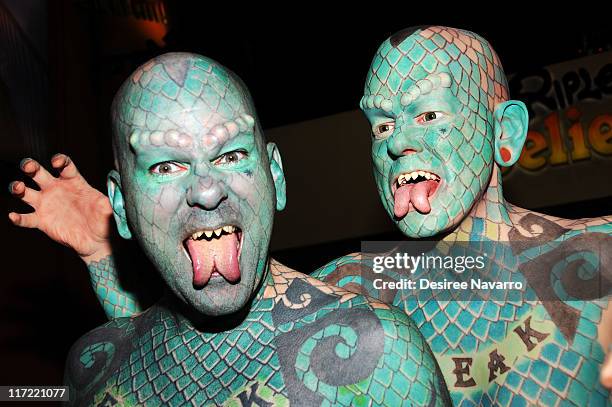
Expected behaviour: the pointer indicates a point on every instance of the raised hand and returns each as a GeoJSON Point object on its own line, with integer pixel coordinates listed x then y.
{"type": "Point", "coordinates": [73, 213]}
{"type": "Point", "coordinates": [67, 208]}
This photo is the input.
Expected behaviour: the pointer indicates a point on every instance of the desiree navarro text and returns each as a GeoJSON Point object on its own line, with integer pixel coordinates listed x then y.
{"type": "Point", "coordinates": [424, 284]}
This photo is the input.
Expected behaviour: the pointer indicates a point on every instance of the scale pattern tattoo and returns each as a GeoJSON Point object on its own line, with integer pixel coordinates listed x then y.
{"type": "Point", "coordinates": [516, 352]}
{"type": "Point", "coordinates": [191, 158]}
{"type": "Point", "coordinates": [304, 343]}
{"type": "Point", "coordinates": [406, 69]}
{"type": "Point", "coordinates": [519, 351]}
{"type": "Point", "coordinates": [115, 300]}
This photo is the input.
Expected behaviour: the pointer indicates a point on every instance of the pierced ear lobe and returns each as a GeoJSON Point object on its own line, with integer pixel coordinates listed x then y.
{"type": "Point", "coordinates": [511, 126]}
{"type": "Point", "coordinates": [276, 167]}
{"type": "Point", "coordinates": [113, 184]}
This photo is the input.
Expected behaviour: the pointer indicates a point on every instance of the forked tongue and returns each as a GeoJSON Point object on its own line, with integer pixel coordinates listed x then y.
{"type": "Point", "coordinates": [218, 254]}
{"type": "Point", "coordinates": [415, 194]}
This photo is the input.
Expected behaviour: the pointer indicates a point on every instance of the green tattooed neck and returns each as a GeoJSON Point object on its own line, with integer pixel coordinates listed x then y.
{"type": "Point", "coordinates": [489, 218]}
{"type": "Point", "coordinates": [215, 324]}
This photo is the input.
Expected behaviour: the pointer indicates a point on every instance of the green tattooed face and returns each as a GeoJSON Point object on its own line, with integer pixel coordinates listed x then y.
{"type": "Point", "coordinates": [195, 179]}
{"type": "Point", "coordinates": [430, 96]}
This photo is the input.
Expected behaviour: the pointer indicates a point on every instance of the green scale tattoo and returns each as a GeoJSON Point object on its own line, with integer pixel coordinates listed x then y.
{"type": "Point", "coordinates": [442, 126]}
{"type": "Point", "coordinates": [308, 352]}
{"type": "Point", "coordinates": [197, 186]}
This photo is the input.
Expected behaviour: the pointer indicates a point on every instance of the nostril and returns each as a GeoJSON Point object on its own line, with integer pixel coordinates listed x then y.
{"type": "Point", "coordinates": [409, 151]}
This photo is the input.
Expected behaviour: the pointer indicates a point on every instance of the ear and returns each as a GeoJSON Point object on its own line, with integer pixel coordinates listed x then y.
{"type": "Point", "coordinates": [276, 167]}
{"type": "Point", "coordinates": [113, 184]}
{"type": "Point", "coordinates": [511, 125]}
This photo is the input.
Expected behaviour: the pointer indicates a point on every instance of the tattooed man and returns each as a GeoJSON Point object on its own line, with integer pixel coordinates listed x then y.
{"type": "Point", "coordinates": [197, 187]}
{"type": "Point", "coordinates": [443, 126]}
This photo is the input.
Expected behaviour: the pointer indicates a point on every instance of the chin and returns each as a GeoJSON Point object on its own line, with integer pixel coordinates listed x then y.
{"type": "Point", "coordinates": [413, 234]}
{"type": "Point", "coordinates": [217, 298]}
{"type": "Point", "coordinates": [411, 226]}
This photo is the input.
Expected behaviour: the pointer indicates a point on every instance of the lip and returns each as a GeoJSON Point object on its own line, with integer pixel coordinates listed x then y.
{"type": "Point", "coordinates": [395, 184]}
{"type": "Point", "coordinates": [188, 235]}
{"type": "Point", "coordinates": [196, 228]}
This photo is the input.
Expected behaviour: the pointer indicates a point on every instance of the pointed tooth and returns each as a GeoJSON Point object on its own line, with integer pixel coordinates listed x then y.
{"type": "Point", "coordinates": [427, 175]}
{"type": "Point", "coordinates": [208, 233]}
{"type": "Point", "coordinates": [194, 236]}
{"type": "Point", "coordinates": [421, 173]}
{"type": "Point", "coordinates": [217, 232]}
{"type": "Point", "coordinates": [412, 175]}
{"type": "Point", "coordinates": [227, 229]}
{"type": "Point", "coordinates": [232, 229]}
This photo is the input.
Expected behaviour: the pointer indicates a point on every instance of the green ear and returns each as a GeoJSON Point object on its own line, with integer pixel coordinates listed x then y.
{"type": "Point", "coordinates": [511, 126]}
{"type": "Point", "coordinates": [115, 195]}
{"type": "Point", "coordinates": [276, 167]}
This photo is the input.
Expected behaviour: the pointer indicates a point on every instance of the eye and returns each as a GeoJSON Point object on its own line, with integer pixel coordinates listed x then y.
{"type": "Point", "coordinates": [429, 117]}
{"type": "Point", "coordinates": [383, 130]}
{"type": "Point", "coordinates": [167, 168]}
{"type": "Point", "coordinates": [230, 158]}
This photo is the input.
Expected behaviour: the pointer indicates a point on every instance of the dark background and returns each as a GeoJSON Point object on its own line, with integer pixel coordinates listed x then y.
{"type": "Point", "coordinates": [58, 75]}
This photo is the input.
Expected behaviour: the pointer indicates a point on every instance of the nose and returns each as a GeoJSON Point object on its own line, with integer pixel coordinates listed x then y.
{"type": "Point", "coordinates": [206, 192]}
{"type": "Point", "coordinates": [404, 142]}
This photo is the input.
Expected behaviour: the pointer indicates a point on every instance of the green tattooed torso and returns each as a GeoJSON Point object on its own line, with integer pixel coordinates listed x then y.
{"type": "Point", "coordinates": [521, 351]}
{"type": "Point", "coordinates": [303, 343]}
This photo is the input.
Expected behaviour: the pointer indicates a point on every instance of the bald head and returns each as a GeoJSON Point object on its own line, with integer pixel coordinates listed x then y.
{"type": "Point", "coordinates": [179, 99]}
{"type": "Point", "coordinates": [417, 56]}
{"type": "Point", "coordinates": [437, 100]}
{"type": "Point", "coordinates": [191, 163]}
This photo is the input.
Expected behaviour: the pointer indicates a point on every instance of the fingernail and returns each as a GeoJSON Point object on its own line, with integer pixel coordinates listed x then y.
{"type": "Point", "coordinates": [10, 186]}
{"type": "Point", "coordinates": [23, 162]}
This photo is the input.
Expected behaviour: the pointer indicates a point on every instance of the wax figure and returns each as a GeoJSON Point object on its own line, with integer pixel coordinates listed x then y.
{"type": "Point", "coordinates": [197, 187]}
{"type": "Point", "coordinates": [442, 126]}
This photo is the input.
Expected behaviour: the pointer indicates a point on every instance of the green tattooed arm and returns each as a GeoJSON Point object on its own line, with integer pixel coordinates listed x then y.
{"type": "Point", "coordinates": [73, 213]}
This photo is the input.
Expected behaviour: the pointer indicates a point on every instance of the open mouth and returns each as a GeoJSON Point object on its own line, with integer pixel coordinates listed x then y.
{"type": "Point", "coordinates": [414, 190]}
{"type": "Point", "coordinates": [215, 253]}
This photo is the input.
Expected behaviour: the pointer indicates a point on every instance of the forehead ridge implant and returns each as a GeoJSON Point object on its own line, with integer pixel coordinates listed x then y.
{"type": "Point", "coordinates": [220, 133]}
{"type": "Point", "coordinates": [426, 86]}
{"type": "Point", "coordinates": [158, 138]}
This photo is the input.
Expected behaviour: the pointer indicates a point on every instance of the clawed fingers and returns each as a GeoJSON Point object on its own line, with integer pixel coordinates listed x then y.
{"type": "Point", "coordinates": [29, 220]}
{"type": "Point", "coordinates": [64, 164]}
{"type": "Point", "coordinates": [37, 172]}
{"type": "Point", "coordinates": [27, 195]}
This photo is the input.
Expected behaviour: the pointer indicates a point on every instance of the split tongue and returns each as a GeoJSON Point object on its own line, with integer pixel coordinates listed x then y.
{"type": "Point", "coordinates": [218, 254]}
{"type": "Point", "coordinates": [402, 200]}
{"type": "Point", "coordinates": [417, 194]}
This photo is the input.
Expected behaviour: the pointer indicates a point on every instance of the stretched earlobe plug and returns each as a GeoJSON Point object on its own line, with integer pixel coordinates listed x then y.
{"type": "Point", "coordinates": [505, 154]}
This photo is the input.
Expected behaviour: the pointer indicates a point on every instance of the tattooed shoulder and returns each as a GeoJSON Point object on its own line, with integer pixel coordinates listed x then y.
{"type": "Point", "coordinates": [352, 341]}
{"type": "Point", "coordinates": [94, 357]}
{"type": "Point", "coordinates": [521, 215]}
